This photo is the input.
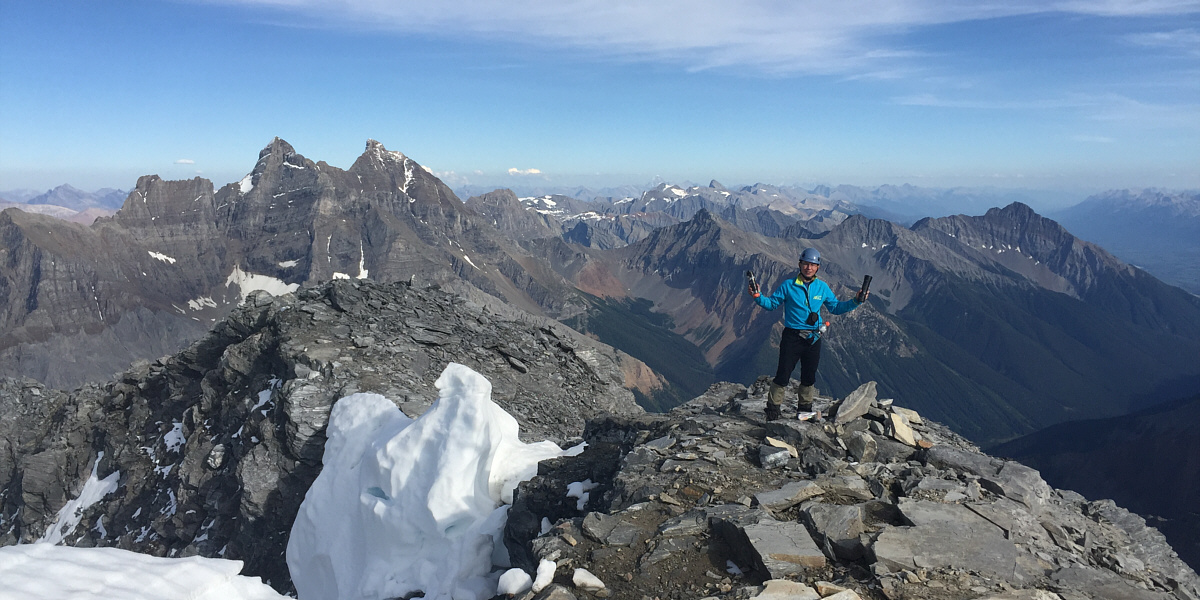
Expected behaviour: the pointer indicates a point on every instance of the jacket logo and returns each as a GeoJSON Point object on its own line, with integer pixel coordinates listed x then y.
{"type": "Point", "coordinates": [816, 297]}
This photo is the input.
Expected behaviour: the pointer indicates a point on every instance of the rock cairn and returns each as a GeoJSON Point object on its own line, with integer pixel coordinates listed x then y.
{"type": "Point", "coordinates": [867, 501]}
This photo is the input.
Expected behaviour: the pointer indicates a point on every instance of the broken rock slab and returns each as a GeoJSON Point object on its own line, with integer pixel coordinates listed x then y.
{"type": "Point", "coordinates": [776, 549]}
{"type": "Point", "coordinates": [900, 430]}
{"type": "Point", "coordinates": [783, 589]}
{"type": "Point", "coordinates": [1003, 478]}
{"type": "Point", "coordinates": [840, 525]}
{"type": "Point", "coordinates": [856, 404]}
{"type": "Point", "coordinates": [784, 548]}
{"type": "Point", "coordinates": [1101, 583]}
{"type": "Point", "coordinates": [946, 536]}
{"type": "Point", "coordinates": [788, 496]}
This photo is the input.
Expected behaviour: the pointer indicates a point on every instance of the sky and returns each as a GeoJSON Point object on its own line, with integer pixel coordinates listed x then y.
{"type": "Point", "coordinates": [1072, 95]}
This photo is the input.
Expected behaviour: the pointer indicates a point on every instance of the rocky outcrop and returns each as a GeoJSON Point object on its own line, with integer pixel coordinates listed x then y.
{"type": "Point", "coordinates": [712, 501]}
{"type": "Point", "coordinates": [213, 448]}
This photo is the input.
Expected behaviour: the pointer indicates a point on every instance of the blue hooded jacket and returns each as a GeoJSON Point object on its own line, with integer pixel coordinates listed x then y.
{"type": "Point", "coordinates": [799, 299]}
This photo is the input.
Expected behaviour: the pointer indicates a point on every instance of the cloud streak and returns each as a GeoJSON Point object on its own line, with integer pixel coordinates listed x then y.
{"type": "Point", "coordinates": [801, 36]}
{"type": "Point", "coordinates": [516, 171]}
{"type": "Point", "coordinates": [185, 161]}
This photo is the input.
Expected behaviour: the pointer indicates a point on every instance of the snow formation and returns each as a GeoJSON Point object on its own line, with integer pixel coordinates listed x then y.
{"type": "Point", "coordinates": [405, 506]}
{"type": "Point", "coordinates": [47, 572]}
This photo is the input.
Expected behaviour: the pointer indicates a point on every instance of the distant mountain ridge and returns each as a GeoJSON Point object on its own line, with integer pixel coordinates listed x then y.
{"type": "Point", "coordinates": [1158, 230]}
{"type": "Point", "coordinates": [997, 325]}
{"type": "Point", "coordinates": [66, 202]}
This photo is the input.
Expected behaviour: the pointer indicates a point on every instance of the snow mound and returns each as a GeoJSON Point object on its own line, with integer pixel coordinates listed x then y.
{"type": "Point", "coordinates": [43, 571]}
{"type": "Point", "coordinates": [404, 506]}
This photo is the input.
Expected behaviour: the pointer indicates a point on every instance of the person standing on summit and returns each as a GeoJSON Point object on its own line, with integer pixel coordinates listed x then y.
{"type": "Point", "coordinates": [801, 298]}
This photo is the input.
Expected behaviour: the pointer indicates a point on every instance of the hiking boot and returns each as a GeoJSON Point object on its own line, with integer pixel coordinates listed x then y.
{"type": "Point", "coordinates": [806, 393]}
{"type": "Point", "coordinates": [772, 411]}
{"type": "Point", "coordinates": [774, 401]}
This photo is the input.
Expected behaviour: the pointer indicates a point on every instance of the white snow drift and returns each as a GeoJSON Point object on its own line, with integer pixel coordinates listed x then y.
{"type": "Point", "coordinates": [403, 506]}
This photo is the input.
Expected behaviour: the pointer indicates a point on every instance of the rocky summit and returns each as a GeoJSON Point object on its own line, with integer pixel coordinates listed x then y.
{"type": "Point", "coordinates": [210, 451]}
{"type": "Point", "coordinates": [867, 501]}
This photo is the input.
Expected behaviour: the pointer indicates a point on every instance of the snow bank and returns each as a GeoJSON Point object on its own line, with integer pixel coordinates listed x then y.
{"type": "Point", "coordinates": [406, 506]}
{"type": "Point", "coordinates": [46, 572]}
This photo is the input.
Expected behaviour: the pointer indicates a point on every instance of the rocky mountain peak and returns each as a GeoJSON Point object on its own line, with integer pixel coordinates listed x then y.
{"type": "Point", "coordinates": [1017, 214]}
{"type": "Point", "coordinates": [716, 185]}
{"type": "Point", "coordinates": [376, 157]}
{"type": "Point", "coordinates": [277, 147]}
{"type": "Point", "coordinates": [154, 197]}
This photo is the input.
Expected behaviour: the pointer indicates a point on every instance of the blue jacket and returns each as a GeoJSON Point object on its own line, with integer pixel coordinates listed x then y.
{"type": "Point", "coordinates": [799, 299]}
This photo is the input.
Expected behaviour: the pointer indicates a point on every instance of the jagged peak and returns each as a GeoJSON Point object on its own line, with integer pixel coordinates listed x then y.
{"type": "Point", "coordinates": [704, 218]}
{"type": "Point", "coordinates": [716, 185]}
{"type": "Point", "coordinates": [277, 147]}
{"type": "Point", "coordinates": [376, 150]}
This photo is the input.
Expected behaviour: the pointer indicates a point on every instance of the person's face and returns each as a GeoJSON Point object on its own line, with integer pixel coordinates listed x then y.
{"type": "Point", "coordinates": [808, 270]}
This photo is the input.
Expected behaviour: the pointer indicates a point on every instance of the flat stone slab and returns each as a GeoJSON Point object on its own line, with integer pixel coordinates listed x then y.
{"type": "Point", "coordinates": [901, 431]}
{"type": "Point", "coordinates": [946, 535]}
{"type": "Point", "coordinates": [1101, 583]}
{"type": "Point", "coordinates": [789, 495]}
{"type": "Point", "coordinates": [1003, 478]}
{"type": "Point", "coordinates": [784, 548]}
{"type": "Point", "coordinates": [782, 589]}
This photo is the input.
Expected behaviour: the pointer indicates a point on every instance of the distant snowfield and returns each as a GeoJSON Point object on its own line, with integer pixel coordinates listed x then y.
{"type": "Point", "coordinates": [250, 282]}
{"type": "Point", "coordinates": [401, 506]}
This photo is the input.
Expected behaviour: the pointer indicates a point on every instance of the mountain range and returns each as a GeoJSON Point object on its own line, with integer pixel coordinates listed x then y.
{"type": "Point", "coordinates": [997, 325]}
{"type": "Point", "coordinates": [1156, 229]}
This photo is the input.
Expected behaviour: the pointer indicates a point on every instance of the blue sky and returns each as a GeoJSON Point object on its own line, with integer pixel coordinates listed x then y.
{"type": "Point", "coordinates": [1065, 95]}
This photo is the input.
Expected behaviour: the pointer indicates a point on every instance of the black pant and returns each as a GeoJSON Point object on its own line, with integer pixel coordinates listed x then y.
{"type": "Point", "coordinates": [795, 348]}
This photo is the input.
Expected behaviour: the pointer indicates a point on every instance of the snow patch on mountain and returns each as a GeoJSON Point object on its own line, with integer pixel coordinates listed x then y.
{"type": "Point", "coordinates": [69, 516]}
{"type": "Point", "coordinates": [251, 282]}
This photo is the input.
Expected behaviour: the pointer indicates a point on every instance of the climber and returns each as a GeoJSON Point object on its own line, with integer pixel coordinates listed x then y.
{"type": "Point", "coordinates": [801, 298]}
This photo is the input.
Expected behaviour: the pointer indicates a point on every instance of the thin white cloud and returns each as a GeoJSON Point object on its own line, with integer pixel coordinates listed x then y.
{"type": "Point", "coordinates": [1093, 139]}
{"type": "Point", "coordinates": [185, 161]}
{"type": "Point", "coordinates": [515, 171]}
{"type": "Point", "coordinates": [1105, 108]}
{"type": "Point", "coordinates": [935, 101]}
{"type": "Point", "coordinates": [811, 36]}
{"type": "Point", "coordinates": [1187, 40]}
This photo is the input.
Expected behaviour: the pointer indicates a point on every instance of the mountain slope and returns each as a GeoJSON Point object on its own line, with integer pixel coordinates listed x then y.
{"type": "Point", "coordinates": [1148, 461]}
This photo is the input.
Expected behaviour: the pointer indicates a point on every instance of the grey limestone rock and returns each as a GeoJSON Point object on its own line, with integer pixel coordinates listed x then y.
{"type": "Point", "coordinates": [856, 404]}
{"type": "Point", "coordinates": [946, 535]}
